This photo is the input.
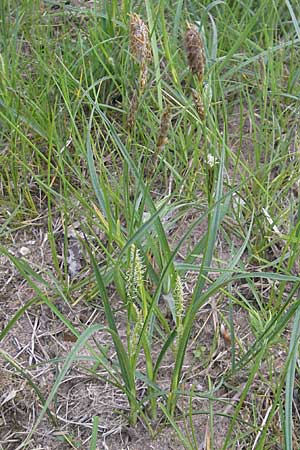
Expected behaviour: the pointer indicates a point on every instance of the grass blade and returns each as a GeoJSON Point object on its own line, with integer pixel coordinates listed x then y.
{"type": "Point", "coordinates": [290, 382]}
{"type": "Point", "coordinates": [93, 445]}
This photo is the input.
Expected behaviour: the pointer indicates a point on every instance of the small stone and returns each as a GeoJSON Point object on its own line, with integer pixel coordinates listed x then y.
{"type": "Point", "coordinates": [24, 251]}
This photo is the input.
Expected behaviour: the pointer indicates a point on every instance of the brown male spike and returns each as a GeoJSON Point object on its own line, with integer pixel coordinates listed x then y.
{"type": "Point", "coordinates": [195, 50]}
{"type": "Point", "coordinates": [132, 110]}
{"type": "Point", "coordinates": [162, 138]}
{"type": "Point", "coordinates": [143, 76]}
{"type": "Point", "coordinates": [198, 104]}
{"type": "Point", "coordinates": [139, 39]}
{"type": "Point", "coordinates": [165, 122]}
{"type": "Point", "coordinates": [140, 46]}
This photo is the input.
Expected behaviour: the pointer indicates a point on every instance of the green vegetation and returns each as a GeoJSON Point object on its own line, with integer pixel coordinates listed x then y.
{"type": "Point", "coordinates": [184, 191]}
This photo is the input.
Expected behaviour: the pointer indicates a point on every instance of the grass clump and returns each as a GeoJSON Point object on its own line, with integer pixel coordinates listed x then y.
{"type": "Point", "coordinates": [164, 143]}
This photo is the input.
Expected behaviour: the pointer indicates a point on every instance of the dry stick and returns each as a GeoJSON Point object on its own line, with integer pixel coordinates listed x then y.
{"type": "Point", "coordinates": [261, 428]}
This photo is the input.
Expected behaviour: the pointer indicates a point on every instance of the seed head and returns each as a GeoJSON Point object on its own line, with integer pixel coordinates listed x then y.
{"type": "Point", "coordinates": [143, 76]}
{"type": "Point", "coordinates": [132, 110]}
{"type": "Point", "coordinates": [140, 269]}
{"type": "Point", "coordinates": [195, 51]}
{"type": "Point", "coordinates": [137, 328]}
{"type": "Point", "coordinates": [198, 104]}
{"type": "Point", "coordinates": [135, 274]}
{"type": "Point", "coordinates": [139, 39]}
{"type": "Point", "coordinates": [179, 303]}
{"type": "Point", "coordinates": [165, 122]}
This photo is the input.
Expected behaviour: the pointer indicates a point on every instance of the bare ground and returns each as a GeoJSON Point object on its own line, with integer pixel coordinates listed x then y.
{"type": "Point", "coordinates": [39, 336]}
